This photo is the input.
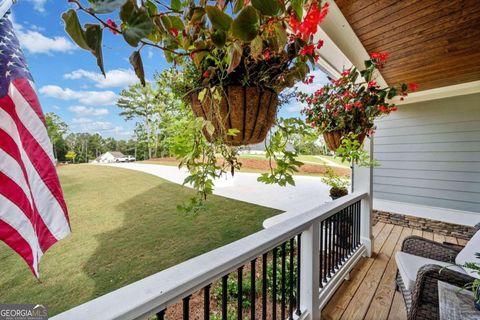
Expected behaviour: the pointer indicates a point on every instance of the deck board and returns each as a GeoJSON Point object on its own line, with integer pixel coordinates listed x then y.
{"type": "Point", "coordinates": [370, 292]}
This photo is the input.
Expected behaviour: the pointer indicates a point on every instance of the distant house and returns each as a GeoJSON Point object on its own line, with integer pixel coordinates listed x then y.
{"type": "Point", "coordinates": [110, 157]}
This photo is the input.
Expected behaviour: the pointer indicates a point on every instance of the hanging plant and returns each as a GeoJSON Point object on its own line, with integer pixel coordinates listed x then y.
{"type": "Point", "coordinates": [239, 56]}
{"type": "Point", "coordinates": [350, 104]}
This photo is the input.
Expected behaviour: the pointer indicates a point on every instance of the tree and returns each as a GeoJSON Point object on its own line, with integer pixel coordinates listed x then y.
{"type": "Point", "coordinates": [143, 104]}
{"type": "Point", "coordinates": [56, 129]}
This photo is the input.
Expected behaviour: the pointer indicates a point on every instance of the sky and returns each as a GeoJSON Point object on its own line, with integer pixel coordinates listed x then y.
{"type": "Point", "coordinates": [67, 78]}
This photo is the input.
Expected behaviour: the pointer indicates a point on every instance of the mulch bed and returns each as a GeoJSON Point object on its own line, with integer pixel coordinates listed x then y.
{"type": "Point", "coordinates": [263, 165]}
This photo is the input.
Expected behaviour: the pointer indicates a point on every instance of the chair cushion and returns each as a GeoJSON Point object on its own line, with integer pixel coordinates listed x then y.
{"type": "Point", "coordinates": [468, 254]}
{"type": "Point", "coordinates": [409, 264]}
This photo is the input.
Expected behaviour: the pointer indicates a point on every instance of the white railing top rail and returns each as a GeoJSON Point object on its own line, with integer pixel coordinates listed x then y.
{"type": "Point", "coordinates": [154, 293]}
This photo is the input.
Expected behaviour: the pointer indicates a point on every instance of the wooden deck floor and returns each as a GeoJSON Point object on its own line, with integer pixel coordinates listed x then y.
{"type": "Point", "coordinates": [370, 292]}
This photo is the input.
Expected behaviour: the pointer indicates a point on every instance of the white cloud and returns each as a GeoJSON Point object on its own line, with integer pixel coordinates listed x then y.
{"type": "Point", "coordinates": [89, 125]}
{"type": "Point", "coordinates": [150, 54]}
{"type": "Point", "coordinates": [85, 111]}
{"type": "Point", "coordinates": [39, 5]}
{"type": "Point", "coordinates": [91, 98]}
{"type": "Point", "coordinates": [35, 42]}
{"type": "Point", "coordinates": [113, 78]}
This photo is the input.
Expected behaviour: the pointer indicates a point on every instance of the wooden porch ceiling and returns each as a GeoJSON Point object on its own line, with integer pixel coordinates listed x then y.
{"type": "Point", "coordinates": [434, 43]}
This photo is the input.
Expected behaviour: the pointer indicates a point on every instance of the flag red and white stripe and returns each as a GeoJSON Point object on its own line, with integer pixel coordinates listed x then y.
{"type": "Point", "coordinates": [33, 213]}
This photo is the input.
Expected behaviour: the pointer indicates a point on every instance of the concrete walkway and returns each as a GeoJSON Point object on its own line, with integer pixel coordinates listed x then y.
{"type": "Point", "coordinates": [308, 193]}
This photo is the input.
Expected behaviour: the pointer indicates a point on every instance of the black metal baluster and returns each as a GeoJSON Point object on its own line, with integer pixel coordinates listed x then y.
{"type": "Point", "coordinates": [355, 227]}
{"type": "Point", "coordinates": [290, 293]}
{"type": "Point", "coordinates": [224, 297]}
{"type": "Point", "coordinates": [343, 234]}
{"type": "Point", "coordinates": [347, 223]}
{"type": "Point", "coordinates": [299, 248]}
{"type": "Point", "coordinates": [206, 303]}
{"type": "Point", "coordinates": [240, 293]}
{"type": "Point", "coordinates": [330, 256]}
{"type": "Point", "coordinates": [324, 249]}
{"type": "Point", "coordinates": [321, 254]}
{"type": "Point", "coordinates": [352, 230]}
{"type": "Point", "coordinates": [284, 293]}
{"type": "Point", "coordinates": [252, 288]}
{"type": "Point", "coordinates": [339, 239]}
{"type": "Point", "coordinates": [274, 284]}
{"type": "Point", "coordinates": [161, 315]}
{"type": "Point", "coordinates": [264, 286]}
{"type": "Point", "coordinates": [359, 210]}
{"type": "Point", "coordinates": [186, 308]}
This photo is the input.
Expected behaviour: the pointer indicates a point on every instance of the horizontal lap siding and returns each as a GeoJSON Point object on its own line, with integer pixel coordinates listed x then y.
{"type": "Point", "coordinates": [429, 154]}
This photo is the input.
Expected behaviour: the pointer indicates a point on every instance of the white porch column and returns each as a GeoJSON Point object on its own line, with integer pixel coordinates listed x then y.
{"type": "Point", "coordinates": [309, 272]}
{"type": "Point", "coordinates": [362, 181]}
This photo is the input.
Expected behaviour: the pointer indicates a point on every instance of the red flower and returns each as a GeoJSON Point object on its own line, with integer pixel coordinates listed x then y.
{"type": "Point", "coordinates": [345, 73]}
{"type": "Point", "coordinates": [372, 84]}
{"type": "Point", "coordinates": [319, 44]}
{"type": "Point", "coordinates": [112, 25]}
{"type": "Point", "coordinates": [307, 49]}
{"type": "Point", "coordinates": [174, 31]}
{"type": "Point", "coordinates": [309, 25]}
{"type": "Point", "coordinates": [380, 56]}
{"type": "Point", "coordinates": [206, 74]}
{"type": "Point", "coordinates": [412, 87]}
{"type": "Point", "coordinates": [266, 54]}
{"type": "Point", "coordinates": [348, 107]}
{"type": "Point", "coordinates": [308, 79]}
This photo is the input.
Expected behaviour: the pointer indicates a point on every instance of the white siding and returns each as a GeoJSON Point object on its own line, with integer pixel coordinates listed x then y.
{"type": "Point", "coordinates": [429, 154]}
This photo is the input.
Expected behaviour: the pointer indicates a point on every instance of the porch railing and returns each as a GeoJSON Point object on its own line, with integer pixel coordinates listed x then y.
{"type": "Point", "coordinates": [287, 271]}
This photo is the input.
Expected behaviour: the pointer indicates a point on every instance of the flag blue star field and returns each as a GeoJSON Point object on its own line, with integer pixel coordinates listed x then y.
{"type": "Point", "coordinates": [33, 213]}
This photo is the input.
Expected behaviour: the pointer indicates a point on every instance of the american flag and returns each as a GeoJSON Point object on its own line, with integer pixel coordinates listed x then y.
{"type": "Point", "coordinates": [33, 214]}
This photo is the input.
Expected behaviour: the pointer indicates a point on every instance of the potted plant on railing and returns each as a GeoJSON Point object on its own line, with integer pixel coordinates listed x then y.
{"type": "Point", "coordinates": [350, 104]}
{"type": "Point", "coordinates": [240, 55]}
{"type": "Point", "coordinates": [338, 186]}
{"type": "Point", "coordinates": [475, 284]}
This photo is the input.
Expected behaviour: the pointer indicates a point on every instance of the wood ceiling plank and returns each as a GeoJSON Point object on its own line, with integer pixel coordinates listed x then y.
{"type": "Point", "coordinates": [432, 42]}
{"type": "Point", "coordinates": [396, 16]}
{"type": "Point", "coordinates": [422, 29]}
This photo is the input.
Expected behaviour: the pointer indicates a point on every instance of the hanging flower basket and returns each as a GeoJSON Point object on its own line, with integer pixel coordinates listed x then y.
{"type": "Point", "coordinates": [250, 111]}
{"type": "Point", "coordinates": [333, 139]}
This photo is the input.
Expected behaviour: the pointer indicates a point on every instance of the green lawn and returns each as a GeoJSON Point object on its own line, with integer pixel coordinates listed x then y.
{"type": "Point", "coordinates": [125, 227]}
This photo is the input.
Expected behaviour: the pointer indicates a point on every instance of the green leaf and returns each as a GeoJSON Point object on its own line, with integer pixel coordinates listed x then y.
{"type": "Point", "coordinates": [74, 29]}
{"type": "Point", "coordinates": [197, 15]}
{"type": "Point", "coordinates": [218, 18]}
{"type": "Point", "coordinates": [233, 132]}
{"type": "Point", "coordinates": [176, 22]}
{"type": "Point", "coordinates": [281, 35]}
{"type": "Point", "coordinates": [297, 6]}
{"type": "Point", "coordinates": [256, 47]}
{"type": "Point", "coordinates": [136, 62]}
{"type": "Point", "coordinates": [105, 6]}
{"type": "Point", "coordinates": [93, 36]}
{"type": "Point", "coordinates": [237, 5]}
{"type": "Point", "coordinates": [245, 27]}
{"type": "Point", "coordinates": [219, 38]}
{"type": "Point", "coordinates": [176, 5]}
{"type": "Point", "coordinates": [198, 57]}
{"type": "Point", "coordinates": [392, 93]}
{"type": "Point", "coordinates": [136, 23]}
{"type": "Point", "coordinates": [234, 56]}
{"type": "Point", "coordinates": [268, 7]}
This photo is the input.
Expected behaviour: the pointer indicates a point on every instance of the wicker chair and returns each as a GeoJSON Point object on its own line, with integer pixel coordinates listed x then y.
{"type": "Point", "coordinates": [422, 300]}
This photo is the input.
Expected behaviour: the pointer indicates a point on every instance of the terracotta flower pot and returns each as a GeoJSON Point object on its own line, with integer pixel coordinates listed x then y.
{"type": "Point", "coordinates": [333, 139]}
{"type": "Point", "coordinates": [250, 110]}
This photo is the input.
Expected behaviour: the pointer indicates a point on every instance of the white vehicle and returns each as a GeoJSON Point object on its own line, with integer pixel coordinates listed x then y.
{"type": "Point", "coordinates": [125, 159]}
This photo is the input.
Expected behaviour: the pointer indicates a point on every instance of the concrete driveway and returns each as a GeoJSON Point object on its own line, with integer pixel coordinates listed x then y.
{"type": "Point", "coordinates": [308, 193]}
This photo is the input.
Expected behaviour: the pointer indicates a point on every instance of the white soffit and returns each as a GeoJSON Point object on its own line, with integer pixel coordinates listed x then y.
{"type": "Point", "coordinates": [440, 93]}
